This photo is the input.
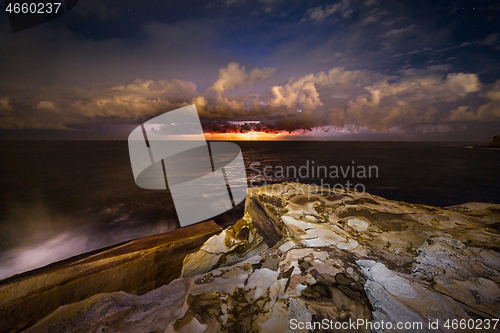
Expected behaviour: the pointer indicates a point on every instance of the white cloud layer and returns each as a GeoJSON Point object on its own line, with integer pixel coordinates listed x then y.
{"type": "Point", "coordinates": [338, 98]}
{"type": "Point", "coordinates": [139, 99]}
{"type": "Point", "coordinates": [234, 75]}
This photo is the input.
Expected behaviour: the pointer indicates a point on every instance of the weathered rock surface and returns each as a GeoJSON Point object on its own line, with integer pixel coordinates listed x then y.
{"type": "Point", "coordinates": [136, 266]}
{"type": "Point", "coordinates": [307, 254]}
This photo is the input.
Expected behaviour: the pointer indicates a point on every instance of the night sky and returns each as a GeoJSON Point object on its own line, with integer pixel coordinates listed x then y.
{"type": "Point", "coordinates": [283, 69]}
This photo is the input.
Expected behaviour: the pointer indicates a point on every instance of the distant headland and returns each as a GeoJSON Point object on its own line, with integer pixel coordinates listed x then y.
{"type": "Point", "coordinates": [496, 142]}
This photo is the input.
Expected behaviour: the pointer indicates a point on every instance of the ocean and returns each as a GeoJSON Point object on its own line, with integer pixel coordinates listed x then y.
{"type": "Point", "coordinates": [63, 198]}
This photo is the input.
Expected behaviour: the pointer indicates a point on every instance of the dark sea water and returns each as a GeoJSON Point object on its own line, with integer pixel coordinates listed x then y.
{"type": "Point", "coordinates": [63, 198]}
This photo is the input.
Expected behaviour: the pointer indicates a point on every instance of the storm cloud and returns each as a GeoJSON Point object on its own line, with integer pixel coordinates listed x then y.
{"type": "Point", "coordinates": [271, 66]}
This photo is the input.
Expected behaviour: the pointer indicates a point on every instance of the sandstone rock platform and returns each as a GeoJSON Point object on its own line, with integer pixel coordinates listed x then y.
{"type": "Point", "coordinates": [306, 254]}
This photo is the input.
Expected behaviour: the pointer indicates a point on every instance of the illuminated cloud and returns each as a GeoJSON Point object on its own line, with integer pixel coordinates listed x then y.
{"type": "Point", "coordinates": [225, 103]}
{"type": "Point", "coordinates": [357, 65]}
{"type": "Point", "coordinates": [463, 84]}
{"type": "Point", "coordinates": [200, 102]}
{"type": "Point", "coordinates": [338, 99]}
{"type": "Point", "coordinates": [494, 94]}
{"type": "Point", "coordinates": [491, 110]}
{"type": "Point", "coordinates": [462, 113]}
{"type": "Point", "coordinates": [486, 112]}
{"type": "Point", "coordinates": [43, 117]}
{"type": "Point", "coordinates": [303, 91]}
{"type": "Point", "coordinates": [5, 105]}
{"type": "Point", "coordinates": [234, 75]}
{"type": "Point", "coordinates": [410, 101]}
{"type": "Point", "coordinates": [137, 100]}
{"type": "Point", "coordinates": [48, 106]}
{"type": "Point", "coordinates": [374, 101]}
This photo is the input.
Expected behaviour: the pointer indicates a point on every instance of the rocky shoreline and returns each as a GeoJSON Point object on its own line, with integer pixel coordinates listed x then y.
{"type": "Point", "coordinates": [494, 144]}
{"type": "Point", "coordinates": [136, 267]}
{"type": "Point", "coordinates": [306, 254]}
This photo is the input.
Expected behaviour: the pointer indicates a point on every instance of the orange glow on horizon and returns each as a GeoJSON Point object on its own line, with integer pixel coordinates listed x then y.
{"type": "Point", "coordinates": [248, 136]}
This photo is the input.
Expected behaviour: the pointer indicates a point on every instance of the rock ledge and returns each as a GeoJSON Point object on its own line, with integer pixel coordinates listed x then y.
{"type": "Point", "coordinates": [305, 254]}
